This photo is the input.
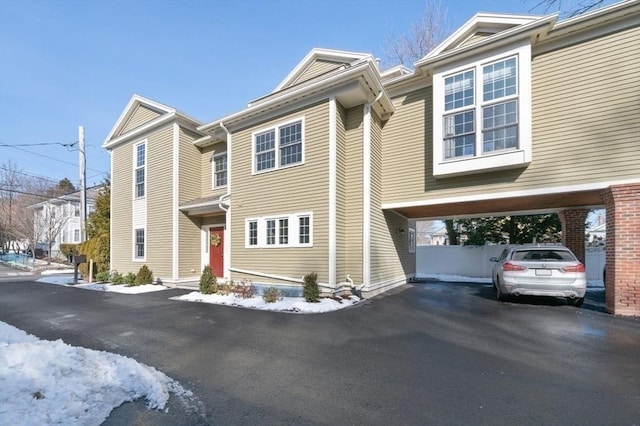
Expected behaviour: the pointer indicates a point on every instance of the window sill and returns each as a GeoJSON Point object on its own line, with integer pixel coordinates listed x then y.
{"type": "Point", "coordinates": [491, 162]}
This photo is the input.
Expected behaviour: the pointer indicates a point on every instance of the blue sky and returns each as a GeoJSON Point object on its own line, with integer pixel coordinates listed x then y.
{"type": "Point", "coordinates": [69, 63]}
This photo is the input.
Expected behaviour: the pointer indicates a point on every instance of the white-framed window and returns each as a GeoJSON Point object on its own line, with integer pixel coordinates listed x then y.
{"type": "Point", "coordinates": [279, 146]}
{"type": "Point", "coordinates": [482, 113]}
{"type": "Point", "coordinates": [412, 240]}
{"type": "Point", "coordinates": [140, 169]}
{"type": "Point", "coordinates": [219, 170]}
{"type": "Point", "coordinates": [304, 229]}
{"type": "Point", "coordinates": [287, 230]}
{"type": "Point", "coordinates": [76, 211]}
{"type": "Point", "coordinates": [252, 229]}
{"type": "Point", "coordinates": [76, 235]}
{"type": "Point", "coordinates": [139, 244]}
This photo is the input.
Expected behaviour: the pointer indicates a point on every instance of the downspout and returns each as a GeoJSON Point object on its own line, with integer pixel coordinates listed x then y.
{"type": "Point", "coordinates": [226, 206]}
{"type": "Point", "coordinates": [366, 193]}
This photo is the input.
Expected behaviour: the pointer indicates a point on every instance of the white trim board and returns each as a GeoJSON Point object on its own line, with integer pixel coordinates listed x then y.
{"type": "Point", "coordinates": [509, 194]}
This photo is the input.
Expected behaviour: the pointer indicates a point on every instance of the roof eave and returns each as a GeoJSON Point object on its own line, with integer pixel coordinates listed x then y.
{"type": "Point", "coordinates": [365, 67]}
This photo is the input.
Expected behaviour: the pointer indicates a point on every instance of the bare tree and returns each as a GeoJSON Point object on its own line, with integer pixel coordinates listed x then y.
{"type": "Point", "coordinates": [33, 191]}
{"type": "Point", "coordinates": [423, 36]}
{"type": "Point", "coordinates": [567, 8]}
{"type": "Point", "coordinates": [49, 221]}
{"type": "Point", "coordinates": [11, 183]}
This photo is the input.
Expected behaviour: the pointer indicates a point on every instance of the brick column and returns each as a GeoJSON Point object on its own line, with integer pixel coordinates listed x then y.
{"type": "Point", "coordinates": [622, 286]}
{"type": "Point", "coordinates": [573, 230]}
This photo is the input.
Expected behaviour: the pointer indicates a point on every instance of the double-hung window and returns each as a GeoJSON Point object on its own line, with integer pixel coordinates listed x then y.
{"type": "Point", "coordinates": [290, 230]}
{"type": "Point", "coordinates": [219, 170]}
{"type": "Point", "coordinates": [140, 169]}
{"type": "Point", "coordinates": [496, 112]}
{"type": "Point", "coordinates": [278, 147]}
{"type": "Point", "coordinates": [482, 114]}
{"type": "Point", "coordinates": [139, 244]}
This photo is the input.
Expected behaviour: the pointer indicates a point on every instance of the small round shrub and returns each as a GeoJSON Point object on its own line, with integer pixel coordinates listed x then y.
{"type": "Point", "coordinates": [117, 278]}
{"type": "Point", "coordinates": [130, 278]}
{"type": "Point", "coordinates": [144, 276]}
{"type": "Point", "coordinates": [103, 277]}
{"type": "Point", "coordinates": [271, 295]}
{"type": "Point", "coordinates": [311, 291]}
{"type": "Point", "coordinates": [208, 281]}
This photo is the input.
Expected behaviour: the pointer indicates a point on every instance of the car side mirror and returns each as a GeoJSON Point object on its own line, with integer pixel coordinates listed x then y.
{"type": "Point", "coordinates": [493, 259]}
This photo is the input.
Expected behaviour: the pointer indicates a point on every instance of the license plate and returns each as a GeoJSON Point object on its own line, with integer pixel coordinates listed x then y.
{"type": "Point", "coordinates": [543, 272]}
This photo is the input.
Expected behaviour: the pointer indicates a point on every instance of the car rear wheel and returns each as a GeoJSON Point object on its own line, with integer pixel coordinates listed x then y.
{"type": "Point", "coordinates": [499, 294]}
{"type": "Point", "coordinates": [576, 301]}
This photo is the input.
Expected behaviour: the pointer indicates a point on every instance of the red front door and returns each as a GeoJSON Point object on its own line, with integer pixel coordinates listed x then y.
{"type": "Point", "coordinates": [216, 251]}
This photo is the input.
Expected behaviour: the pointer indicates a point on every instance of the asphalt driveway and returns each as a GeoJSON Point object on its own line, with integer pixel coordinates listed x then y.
{"type": "Point", "coordinates": [431, 353]}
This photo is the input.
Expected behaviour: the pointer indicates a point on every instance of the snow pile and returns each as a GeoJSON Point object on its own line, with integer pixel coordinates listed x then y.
{"type": "Point", "coordinates": [451, 278]}
{"type": "Point", "coordinates": [287, 304]}
{"type": "Point", "coordinates": [68, 281]}
{"type": "Point", "coordinates": [43, 382]}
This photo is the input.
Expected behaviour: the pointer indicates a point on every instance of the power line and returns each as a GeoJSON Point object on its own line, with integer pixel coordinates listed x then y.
{"type": "Point", "coordinates": [15, 191]}
{"type": "Point", "coordinates": [52, 158]}
{"type": "Point", "coordinates": [30, 175]}
{"type": "Point", "coordinates": [38, 144]}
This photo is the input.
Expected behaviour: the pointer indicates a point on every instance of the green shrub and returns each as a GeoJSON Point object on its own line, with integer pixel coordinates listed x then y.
{"type": "Point", "coordinates": [208, 281]}
{"type": "Point", "coordinates": [96, 248]}
{"type": "Point", "coordinates": [103, 277]}
{"type": "Point", "coordinates": [130, 278]}
{"type": "Point", "coordinates": [271, 295]}
{"type": "Point", "coordinates": [144, 276]}
{"type": "Point", "coordinates": [311, 291]}
{"type": "Point", "coordinates": [117, 278]}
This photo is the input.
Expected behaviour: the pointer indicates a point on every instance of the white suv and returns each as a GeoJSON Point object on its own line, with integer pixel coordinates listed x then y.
{"type": "Point", "coordinates": [547, 270]}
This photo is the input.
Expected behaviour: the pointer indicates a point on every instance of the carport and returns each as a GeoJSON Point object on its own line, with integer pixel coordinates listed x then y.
{"type": "Point", "coordinates": [622, 204]}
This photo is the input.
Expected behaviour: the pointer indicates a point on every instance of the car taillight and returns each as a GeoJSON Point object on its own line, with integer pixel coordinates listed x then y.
{"type": "Point", "coordinates": [508, 266]}
{"type": "Point", "coordinates": [574, 268]}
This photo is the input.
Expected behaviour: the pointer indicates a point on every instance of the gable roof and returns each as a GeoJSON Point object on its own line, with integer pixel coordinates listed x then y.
{"type": "Point", "coordinates": [494, 30]}
{"type": "Point", "coordinates": [485, 24]}
{"type": "Point", "coordinates": [357, 83]}
{"type": "Point", "coordinates": [317, 54]}
{"type": "Point", "coordinates": [123, 130]}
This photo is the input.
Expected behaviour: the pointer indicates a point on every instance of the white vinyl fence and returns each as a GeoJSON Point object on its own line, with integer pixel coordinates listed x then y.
{"type": "Point", "coordinates": [473, 261]}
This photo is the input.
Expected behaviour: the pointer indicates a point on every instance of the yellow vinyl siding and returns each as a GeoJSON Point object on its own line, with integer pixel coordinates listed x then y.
{"type": "Point", "coordinates": [121, 210]}
{"type": "Point", "coordinates": [318, 67]}
{"type": "Point", "coordinates": [189, 246]}
{"type": "Point", "coordinates": [159, 233]}
{"type": "Point", "coordinates": [341, 198]}
{"type": "Point", "coordinates": [206, 166]}
{"type": "Point", "coordinates": [297, 189]}
{"type": "Point", "coordinates": [585, 127]}
{"type": "Point", "coordinates": [353, 193]}
{"type": "Point", "coordinates": [475, 38]}
{"type": "Point", "coordinates": [389, 249]}
{"type": "Point", "coordinates": [140, 116]}
{"type": "Point", "coordinates": [406, 147]}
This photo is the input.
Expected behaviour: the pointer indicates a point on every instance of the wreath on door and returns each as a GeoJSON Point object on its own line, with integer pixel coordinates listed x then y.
{"type": "Point", "coordinates": [215, 240]}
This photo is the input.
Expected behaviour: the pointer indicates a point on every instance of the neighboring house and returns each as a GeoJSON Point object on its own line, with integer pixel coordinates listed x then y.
{"type": "Point", "coordinates": [512, 114]}
{"type": "Point", "coordinates": [437, 236]}
{"type": "Point", "coordinates": [57, 220]}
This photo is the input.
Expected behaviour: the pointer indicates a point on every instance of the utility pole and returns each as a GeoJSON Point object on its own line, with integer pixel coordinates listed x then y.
{"type": "Point", "coordinates": [83, 183]}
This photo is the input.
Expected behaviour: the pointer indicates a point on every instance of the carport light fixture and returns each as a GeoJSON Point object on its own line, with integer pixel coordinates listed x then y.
{"type": "Point", "coordinates": [401, 231]}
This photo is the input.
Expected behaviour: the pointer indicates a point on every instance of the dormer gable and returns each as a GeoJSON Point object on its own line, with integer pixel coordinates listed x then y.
{"type": "Point", "coordinates": [479, 27]}
{"type": "Point", "coordinates": [317, 62]}
{"type": "Point", "coordinates": [138, 112]}
{"type": "Point", "coordinates": [142, 114]}
{"type": "Point", "coordinates": [483, 27]}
